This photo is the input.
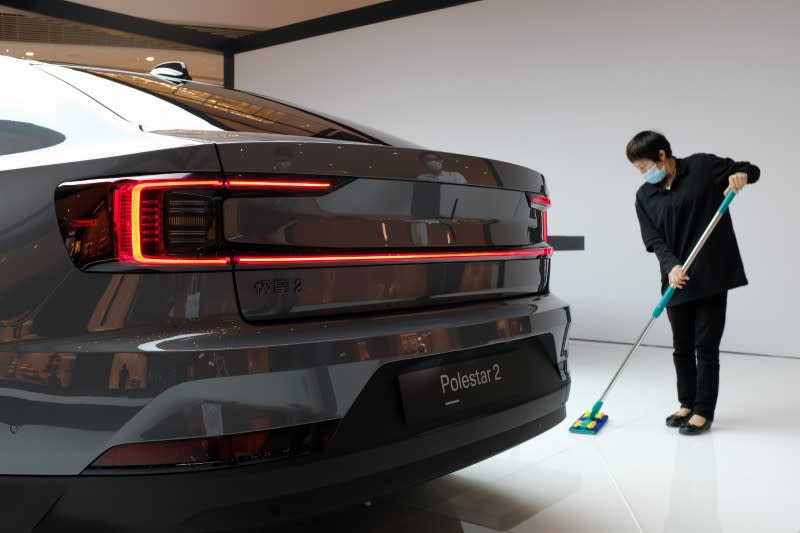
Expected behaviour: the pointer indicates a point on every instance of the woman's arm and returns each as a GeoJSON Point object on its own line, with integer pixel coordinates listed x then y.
{"type": "Point", "coordinates": [723, 169]}
{"type": "Point", "coordinates": [654, 242]}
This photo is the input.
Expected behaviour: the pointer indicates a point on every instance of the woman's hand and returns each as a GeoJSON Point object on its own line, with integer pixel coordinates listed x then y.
{"type": "Point", "coordinates": [737, 181]}
{"type": "Point", "coordinates": [677, 277]}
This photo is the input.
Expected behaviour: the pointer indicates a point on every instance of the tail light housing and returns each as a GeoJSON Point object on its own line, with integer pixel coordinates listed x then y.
{"type": "Point", "coordinates": [163, 222]}
{"type": "Point", "coordinates": [175, 222]}
{"type": "Point", "coordinates": [541, 203]}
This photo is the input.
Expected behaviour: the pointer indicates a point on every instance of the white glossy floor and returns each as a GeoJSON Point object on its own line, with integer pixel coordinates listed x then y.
{"type": "Point", "coordinates": [636, 474]}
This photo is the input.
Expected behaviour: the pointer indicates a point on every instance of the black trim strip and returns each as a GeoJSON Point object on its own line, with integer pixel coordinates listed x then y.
{"type": "Point", "coordinates": [565, 244]}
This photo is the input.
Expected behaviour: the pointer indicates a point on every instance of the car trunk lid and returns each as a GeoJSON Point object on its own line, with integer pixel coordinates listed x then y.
{"type": "Point", "coordinates": [350, 227]}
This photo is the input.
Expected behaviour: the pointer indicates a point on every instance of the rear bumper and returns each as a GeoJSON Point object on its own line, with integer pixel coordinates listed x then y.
{"type": "Point", "coordinates": [268, 377]}
{"type": "Point", "coordinates": [266, 494]}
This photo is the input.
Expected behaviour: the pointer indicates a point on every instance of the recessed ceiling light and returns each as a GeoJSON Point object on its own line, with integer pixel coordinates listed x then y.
{"type": "Point", "coordinates": [150, 58]}
{"type": "Point", "coordinates": [29, 54]}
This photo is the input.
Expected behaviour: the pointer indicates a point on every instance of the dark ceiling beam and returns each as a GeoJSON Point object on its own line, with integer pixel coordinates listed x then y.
{"type": "Point", "coordinates": [117, 21]}
{"type": "Point", "coordinates": [228, 66]}
{"type": "Point", "coordinates": [338, 22]}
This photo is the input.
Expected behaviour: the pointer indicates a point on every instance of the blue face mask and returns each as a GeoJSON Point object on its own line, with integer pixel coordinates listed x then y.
{"type": "Point", "coordinates": [655, 175]}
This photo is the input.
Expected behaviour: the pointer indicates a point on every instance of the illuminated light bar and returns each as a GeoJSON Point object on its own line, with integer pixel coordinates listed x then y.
{"type": "Point", "coordinates": [544, 226]}
{"type": "Point", "coordinates": [137, 222]}
{"type": "Point", "coordinates": [392, 258]}
{"type": "Point", "coordinates": [279, 185]}
{"type": "Point", "coordinates": [83, 223]}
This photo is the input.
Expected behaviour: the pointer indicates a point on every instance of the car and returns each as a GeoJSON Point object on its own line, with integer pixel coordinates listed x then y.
{"type": "Point", "coordinates": [221, 311]}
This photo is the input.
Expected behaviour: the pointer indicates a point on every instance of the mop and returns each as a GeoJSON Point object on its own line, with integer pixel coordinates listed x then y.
{"type": "Point", "coordinates": [593, 420]}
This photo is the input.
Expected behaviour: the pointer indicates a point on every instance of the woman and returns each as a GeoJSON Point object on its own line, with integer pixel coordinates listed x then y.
{"type": "Point", "coordinates": [674, 206]}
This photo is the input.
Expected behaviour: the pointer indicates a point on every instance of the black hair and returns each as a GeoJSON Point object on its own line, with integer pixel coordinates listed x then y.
{"type": "Point", "coordinates": [423, 155]}
{"type": "Point", "coordinates": [283, 152]}
{"type": "Point", "coordinates": [646, 145]}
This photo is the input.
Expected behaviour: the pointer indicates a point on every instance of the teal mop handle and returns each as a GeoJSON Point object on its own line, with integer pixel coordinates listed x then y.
{"type": "Point", "coordinates": [662, 304]}
{"type": "Point", "coordinates": [670, 292]}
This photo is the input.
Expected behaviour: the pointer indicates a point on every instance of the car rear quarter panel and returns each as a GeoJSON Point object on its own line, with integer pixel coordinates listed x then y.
{"type": "Point", "coordinates": [33, 259]}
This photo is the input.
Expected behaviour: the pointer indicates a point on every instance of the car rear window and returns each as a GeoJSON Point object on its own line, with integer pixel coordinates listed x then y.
{"type": "Point", "coordinates": [159, 104]}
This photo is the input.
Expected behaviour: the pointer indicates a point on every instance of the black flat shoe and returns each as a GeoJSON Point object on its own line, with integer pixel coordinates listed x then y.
{"type": "Point", "coordinates": [676, 421]}
{"type": "Point", "coordinates": [691, 429]}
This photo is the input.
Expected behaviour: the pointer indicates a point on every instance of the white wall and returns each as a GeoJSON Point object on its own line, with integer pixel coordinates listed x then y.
{"type": "Point", "coordinates": [561, 86]}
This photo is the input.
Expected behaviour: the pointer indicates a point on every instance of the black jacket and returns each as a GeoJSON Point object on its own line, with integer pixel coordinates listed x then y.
{"type": "Point", "coordinates": [673, 220]}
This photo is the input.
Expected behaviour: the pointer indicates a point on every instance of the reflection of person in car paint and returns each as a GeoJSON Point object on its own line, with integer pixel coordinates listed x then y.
{"type": "Point", "coordinates": [51, 370]}
{"type": "Point", "coordinates": [124, 374]}
{"type": "Point", "coordinates": [283, 160]}
{"type": "Point", "coordinates": [436, 170]}
{"type": "Point", "coordinates": [426, 201]}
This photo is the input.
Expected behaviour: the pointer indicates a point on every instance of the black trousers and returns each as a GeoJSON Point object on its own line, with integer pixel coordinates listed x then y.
{"type": "Point", "coordinates": [697, 328]}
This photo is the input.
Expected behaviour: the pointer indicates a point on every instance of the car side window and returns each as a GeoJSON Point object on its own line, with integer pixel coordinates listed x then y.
{"type": "Point", "coordinates": [16, 137]}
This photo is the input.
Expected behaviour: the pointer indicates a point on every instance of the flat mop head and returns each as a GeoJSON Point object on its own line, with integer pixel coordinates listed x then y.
{"type": "Point", "coordinates": [589, 424]}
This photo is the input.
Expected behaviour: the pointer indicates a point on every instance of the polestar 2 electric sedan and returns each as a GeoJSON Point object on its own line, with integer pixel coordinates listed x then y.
{"type": "Point", "coordinates": [219, 311]}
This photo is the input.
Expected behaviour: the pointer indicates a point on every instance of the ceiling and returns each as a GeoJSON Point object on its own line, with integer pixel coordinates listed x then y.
{"type": "Point", "coordinates": [24, 34]}
{"type": "Point", "coordinates": [243, 14]}
{"type": "Point", "coordinates": [202, 33]}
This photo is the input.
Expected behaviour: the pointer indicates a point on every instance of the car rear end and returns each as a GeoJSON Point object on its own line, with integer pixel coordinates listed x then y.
{"type": "Point", "coordinates": [240, 330]}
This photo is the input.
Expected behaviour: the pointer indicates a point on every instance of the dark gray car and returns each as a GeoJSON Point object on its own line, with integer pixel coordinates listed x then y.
{"type": "Point", "coordinates": [220, 311]}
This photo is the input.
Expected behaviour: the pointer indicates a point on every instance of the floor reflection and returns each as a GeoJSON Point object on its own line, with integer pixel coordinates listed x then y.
{"type": "Point", "coordinates": [452, 504]}
{"type": "Point", "coordinates": [505, 503]}
{"type": "Point", "coordinates": [693, 496]}
{"type": "Point", "coordinates": [390, 514]}
{"type": "Point", "coordinates": [384, 517]}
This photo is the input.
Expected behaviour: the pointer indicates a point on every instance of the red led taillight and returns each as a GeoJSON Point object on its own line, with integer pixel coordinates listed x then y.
{"type": "Point", "coordinates": [146, 220]}
{"type": "Point", "coordinates": [172, 222]}
{"type": "Point", "coordinates": [540, 200]}
{"type": "Point", "coordinates": [544, 226]}
{"type": "Point", "coordinates": [542, 203]}
{"type": "Point", "coordinates": [356, 259]}
{"type": "Point", "coordinates": [282, 185]}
